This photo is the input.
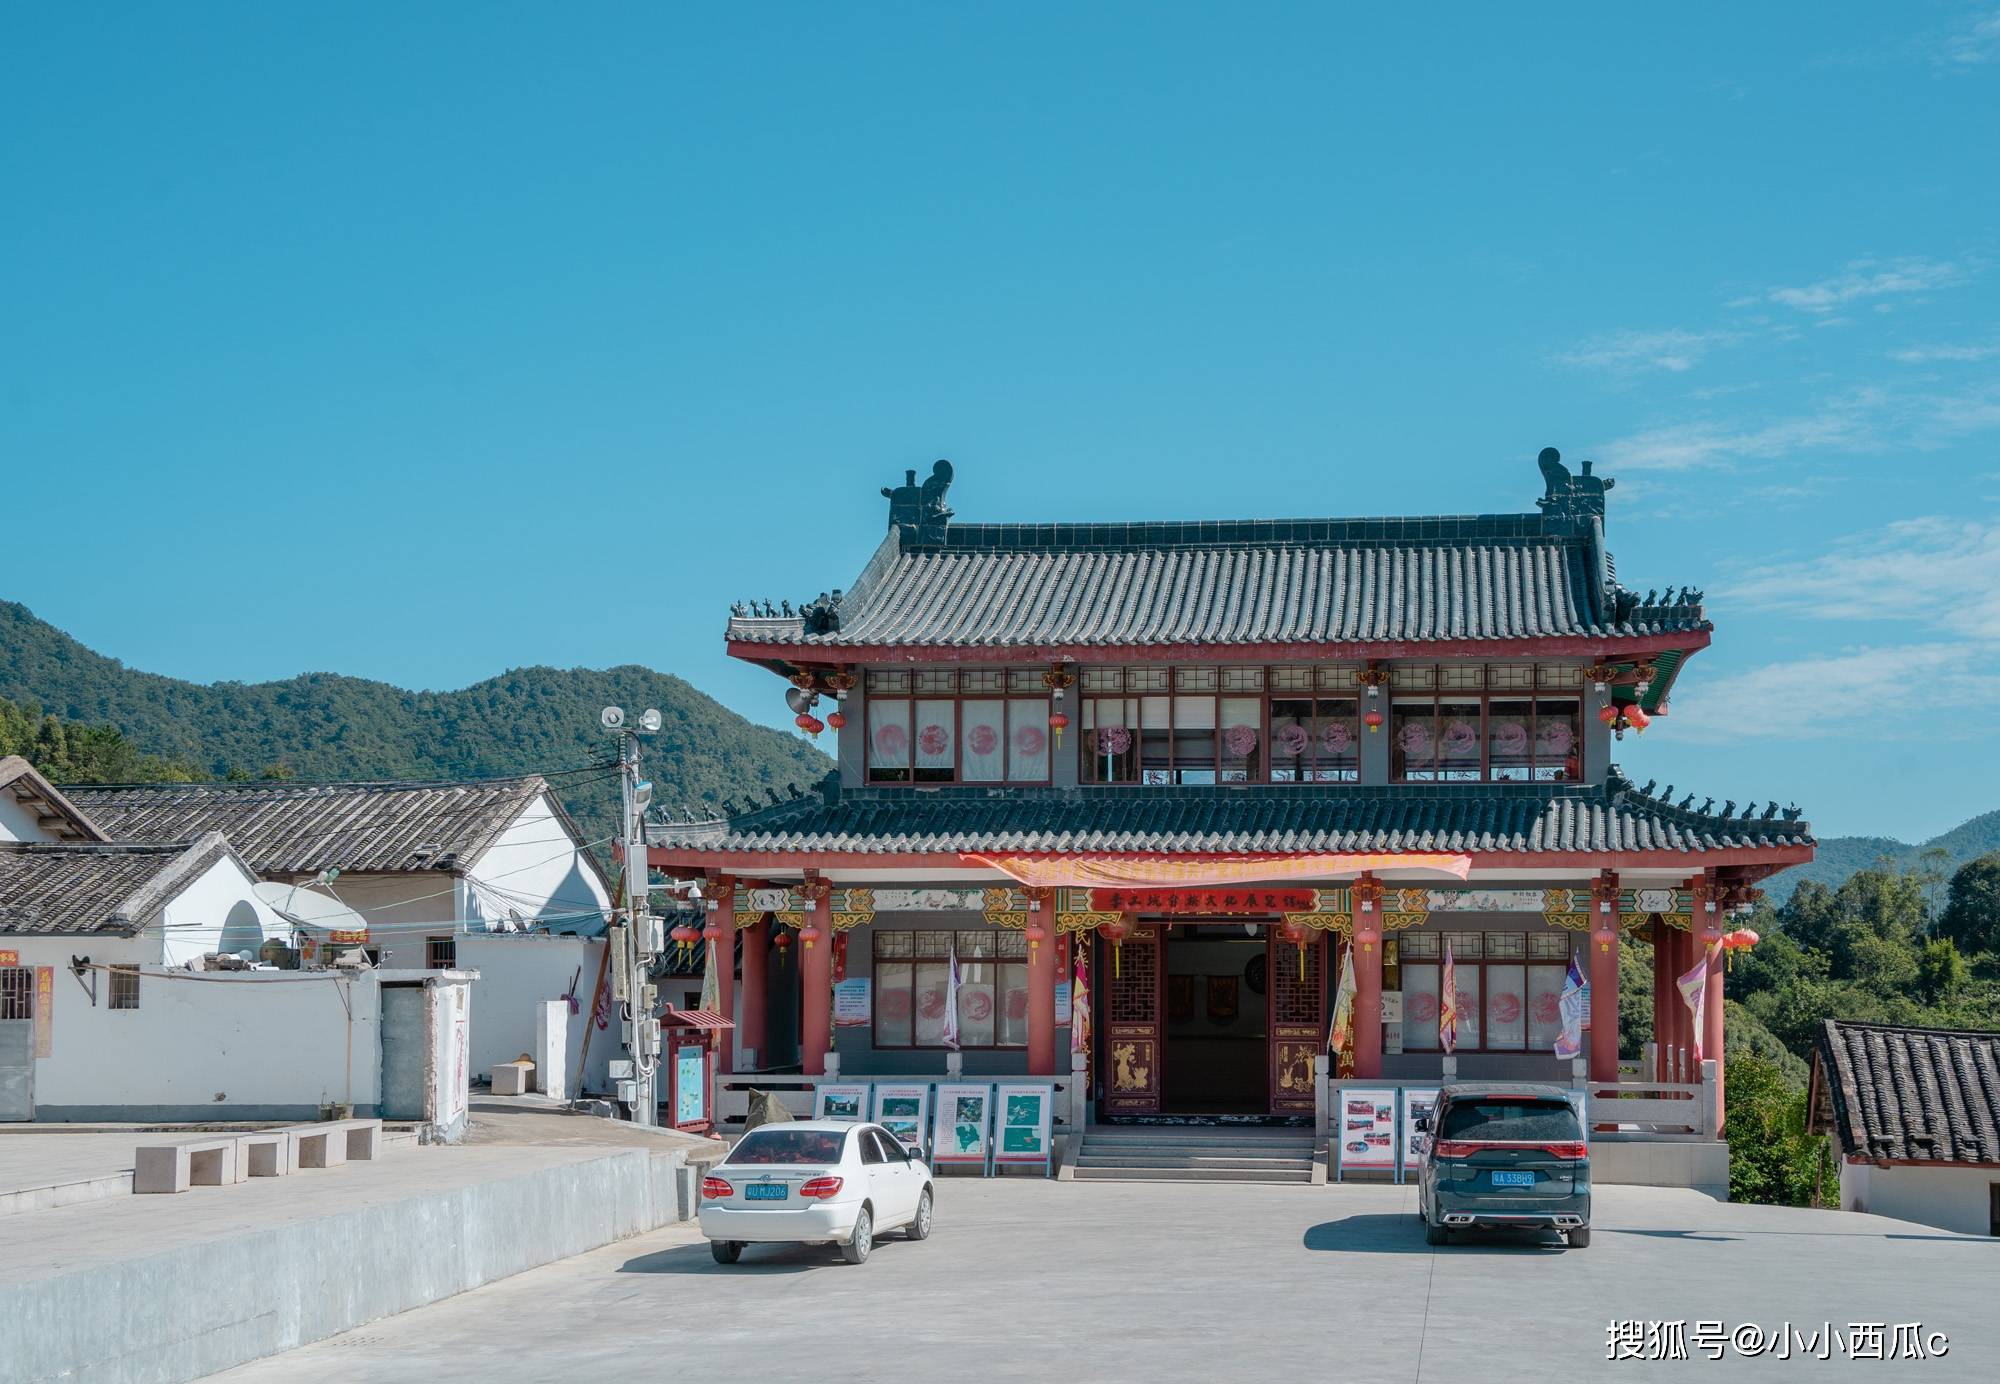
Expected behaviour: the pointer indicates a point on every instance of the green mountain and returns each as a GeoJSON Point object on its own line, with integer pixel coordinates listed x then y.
{"type": "Point", "coordinates": [1841, 856]}
{"type": "Point", "coordinates": [325, 726]}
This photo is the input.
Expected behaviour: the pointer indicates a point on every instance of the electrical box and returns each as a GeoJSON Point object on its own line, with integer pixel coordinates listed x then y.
{"type": "Point", "coordinates": [619, 939]}
{"type": "Point", "coordinates": [620, 1069]}
{"type": "Point", "coordinates": [655, 934]}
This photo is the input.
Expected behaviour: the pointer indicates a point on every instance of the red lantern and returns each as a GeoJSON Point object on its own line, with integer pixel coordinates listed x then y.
{"type": "Point", "coordinates": [782, 941]}
{"type": "Point", "coordinates": [836, 719]}
{"type": "Point", "coordinates": [804, 721]}
{"type": "Point", "coordinates": [1114, 933]}
{"type": "Point", "coordinates": [1034, 932]}
{"type": "Point", "coordinates": [713, 931]}
{"type": "Point", "coordinates": [1609, 715]}
{"type": "Point", "coordinates": [1638, 718]}
{"type": "Point", "coordinates": [1295, 933]}
{"type": "Point", "coordinates": [1373, 720]}
{"type": "Point", "coordinates": [1058, 723]}
{"type": "Point", "coordinates": [808, 935]}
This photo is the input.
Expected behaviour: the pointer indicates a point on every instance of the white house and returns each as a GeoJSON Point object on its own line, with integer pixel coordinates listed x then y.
{"type": "Point", "coordinates": [33, 809]}
{"type": "Point", "coordinates": [99, 1019]}
{"type": "Point", "coordinates": [488, 875]}
{"type": "Point", "coordinates": [1916, 1113]}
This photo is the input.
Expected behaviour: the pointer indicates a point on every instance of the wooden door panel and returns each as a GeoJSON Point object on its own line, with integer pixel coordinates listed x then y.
{"type": "Point", "coordinates": [1134, 1011]}
{"type": "Point", "coordinates": [1297, 1020]}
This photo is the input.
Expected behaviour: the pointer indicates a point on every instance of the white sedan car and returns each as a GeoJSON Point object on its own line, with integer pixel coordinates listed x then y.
{"type": "Point", "coordinates": [815, 1182]}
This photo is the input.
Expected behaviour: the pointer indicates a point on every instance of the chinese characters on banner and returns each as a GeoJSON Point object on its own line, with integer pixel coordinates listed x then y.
{"type": "Point", "coordinates": [1229, 900]}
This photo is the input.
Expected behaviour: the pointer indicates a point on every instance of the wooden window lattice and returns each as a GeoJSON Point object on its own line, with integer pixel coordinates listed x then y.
{"type": "Point", "coordinates": [1132, 987]}
{"type": "Point", "coordinates": [1295, 1001]}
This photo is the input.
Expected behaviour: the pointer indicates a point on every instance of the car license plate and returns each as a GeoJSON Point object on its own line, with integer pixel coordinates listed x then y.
{"type": "Point", "coordinates": [765, 1191]}
{"type": "Point", "coordinates": [1507, 1179]}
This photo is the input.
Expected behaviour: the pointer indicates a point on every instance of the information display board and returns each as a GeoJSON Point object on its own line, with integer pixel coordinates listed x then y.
{"type": "Point", "coordinates": [1026, 1115]}
{"type": "Point", "coordinates": [1364, 1128]}
{"type": "Point", "coordinates": [838, 1102]}
{"type": "Point", "coordinates": [690, 1077]}
{"type": "Point", "coordinates": [903, 1111]}
{"type": "Point", "coordinates": [963, 1132]}
{"type": "Point", "coordinates": [1418, 1102]}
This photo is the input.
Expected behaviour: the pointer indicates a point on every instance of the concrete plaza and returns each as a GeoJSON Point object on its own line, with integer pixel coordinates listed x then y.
{"type": "Point", "coordinates": [1028, 1280]}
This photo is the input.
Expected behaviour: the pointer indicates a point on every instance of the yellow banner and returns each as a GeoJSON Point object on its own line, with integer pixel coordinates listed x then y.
{"type": "Point", "coordinates": [1113, 871]}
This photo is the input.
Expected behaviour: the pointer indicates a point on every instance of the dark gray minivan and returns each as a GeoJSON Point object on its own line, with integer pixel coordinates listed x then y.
{"type": "Point", "coordinates": [1505, 1154]}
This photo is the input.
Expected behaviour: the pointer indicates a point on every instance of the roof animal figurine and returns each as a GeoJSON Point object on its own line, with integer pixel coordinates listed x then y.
{"type": "Point", "coordinates": [1568, 494]}
{"type": "Point", "coordinates": [918, 513]}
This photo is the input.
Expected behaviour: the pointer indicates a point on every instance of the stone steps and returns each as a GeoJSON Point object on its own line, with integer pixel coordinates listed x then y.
{"type": "Point", "coordinates": [1194, 1153]}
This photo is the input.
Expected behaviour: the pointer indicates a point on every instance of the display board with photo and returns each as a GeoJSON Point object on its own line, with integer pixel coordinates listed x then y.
{"type": "Point", "coordinates": [1419, 1102]}
{"type": "Point", "coordinates": [1364, 1128]}
{"type": "Point", "coordinates": [838, 1102]}
{"type": "Point", "coordinates": [961, 1133]}
{"type": "Point", "coordinates": [1025, 1116]}
{"type": "Point", "coordinates": [903, 1110]}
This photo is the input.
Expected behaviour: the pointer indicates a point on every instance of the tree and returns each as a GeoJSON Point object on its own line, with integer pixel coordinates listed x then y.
{"type": "Point", "coordinates": [1941, 971]}
{"type": "Point", "coordinates": [1971, 916]}
{"type": "Point", "coordinates": [1772, 1157]}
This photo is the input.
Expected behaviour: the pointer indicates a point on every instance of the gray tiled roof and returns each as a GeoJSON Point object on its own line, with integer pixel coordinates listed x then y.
{"type": "Point", "coordinates": [1472, 817]}
{"type": "Point", "coordinates": [301, 829]}
{"type": "Point", "coordinates": [1351, 581]}
{"type": "Point", "coordinates": [1927, 1094]}
{"type": "Point", "coordinates": [53, 808]}
{"type": "Point", "coordinates": [56, 889]}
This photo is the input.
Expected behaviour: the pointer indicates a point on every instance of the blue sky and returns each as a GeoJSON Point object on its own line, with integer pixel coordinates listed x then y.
{"type": "Point", "coordinates": [419, 342]}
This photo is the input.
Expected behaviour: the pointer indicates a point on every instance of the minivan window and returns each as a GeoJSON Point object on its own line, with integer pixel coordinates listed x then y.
{"type": "Point", "coordinates": [788, 1146]}
{"type": "Point", "coordinates": [1512, 1121]}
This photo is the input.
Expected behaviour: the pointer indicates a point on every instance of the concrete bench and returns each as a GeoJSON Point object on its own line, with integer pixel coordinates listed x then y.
{"type": "Point", "coordinates": [267, 1153]}
{"type": "Point", "coordinates": [176, 1167]}
{"type": "Point", "coordinates": [333, 1143]}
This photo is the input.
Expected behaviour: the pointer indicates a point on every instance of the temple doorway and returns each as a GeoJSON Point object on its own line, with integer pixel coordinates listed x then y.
{"type": "Point", "coordinates": [1217, 1022]}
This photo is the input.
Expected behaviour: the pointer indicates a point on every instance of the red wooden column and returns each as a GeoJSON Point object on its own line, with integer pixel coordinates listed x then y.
{"type": "Point", "coordinates": [1663, 994]}
{"type": "Point", "coordinates": [720, 937]}
{"type": "Point", "coordinates": [750, 1034]}
{"type": "Point", "coordinates": [1367, 897]}
{"type": "Point", "coordinates": [816, 980]}
{"type": "Point", "coordinates": [1604, 920]}
{"type": "Point", "coordinates": [1044, 957]}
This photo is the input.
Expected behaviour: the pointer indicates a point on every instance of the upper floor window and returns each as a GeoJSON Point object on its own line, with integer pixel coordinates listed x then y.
{"type": "Point", "coordinates": [1470, 739]}
{"type": "Point", "coordinates": [957, 727]}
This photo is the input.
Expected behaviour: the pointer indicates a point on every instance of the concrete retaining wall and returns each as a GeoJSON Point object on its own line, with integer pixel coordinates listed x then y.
{"type": "Point", "coordinates": [1701, 1165]}
{"type": "Point", "coordinates": [192, 1310]}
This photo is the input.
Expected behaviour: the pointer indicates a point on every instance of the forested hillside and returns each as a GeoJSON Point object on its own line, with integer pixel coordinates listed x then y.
{"type": "Point", "coordinates": [326, 726]}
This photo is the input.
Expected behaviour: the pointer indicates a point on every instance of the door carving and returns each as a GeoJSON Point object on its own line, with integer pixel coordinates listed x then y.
{"type": "Point", "coordinates": [1297, 1020]}
{"type": "Point", "coordinates": [1134, 1023]}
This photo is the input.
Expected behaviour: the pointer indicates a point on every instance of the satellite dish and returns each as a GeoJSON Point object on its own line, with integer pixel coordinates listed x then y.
{"type": "Point", "coordinates": [798, 699]}
{"type": "Point", "coordinates": [612, 717]}
{"type": "Point", "coordinates": [303, 907]}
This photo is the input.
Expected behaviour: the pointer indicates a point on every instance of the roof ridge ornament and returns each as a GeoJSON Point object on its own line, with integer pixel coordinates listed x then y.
{"type": "Point", "coordinates": [917, 513]}
{"type": "Point", "coordinates": [1568, 495]}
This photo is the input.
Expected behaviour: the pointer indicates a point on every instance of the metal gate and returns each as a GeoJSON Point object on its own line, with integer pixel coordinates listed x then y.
{"type": "Point", "coordinates": [17, 1043]}
{"type": "Point", "coordinates": [1134, 979]}
{"type": "Point", "coordinates": [1297, 1020]}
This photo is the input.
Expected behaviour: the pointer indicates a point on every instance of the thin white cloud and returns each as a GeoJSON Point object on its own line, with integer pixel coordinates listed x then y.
{"type": "Point", "coordinates": [1872, 693]}
{"type": "Point", "coordinates": [1935, 573]}
{"type": "Point", "coordinates": [1635, 352]}
{"type": "Point", "coordinates": [1978, 42]}
{"type": "Point", "coordinates": [1865, 279]}
{"type": "Point", "coordinates": [1924, 355]}
{"type": "Point", "coordinates": [1841, 424]}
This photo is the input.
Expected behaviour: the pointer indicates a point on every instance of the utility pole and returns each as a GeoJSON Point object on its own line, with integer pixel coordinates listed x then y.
{"type": "Point", "coordinates": [640, 1028]}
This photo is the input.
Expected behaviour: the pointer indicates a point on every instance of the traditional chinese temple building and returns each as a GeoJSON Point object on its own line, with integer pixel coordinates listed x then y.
{"type": "Point", "coordinates": [1145, 785]}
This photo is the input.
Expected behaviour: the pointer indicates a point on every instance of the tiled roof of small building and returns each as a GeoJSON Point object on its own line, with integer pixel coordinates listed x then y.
{"type": "Point", "coordinates": [1247, 582]}
{"type": "Point", "coordinates": [1448, 817]}
{"type": "Point", "coordinates": [1924, 1094]}
{"type": "Point", "coordinates": [49, 890]}
{"type": "Point", "coordinates": [52, 807]}
{"type": "Point", "coordinates": [303, 828]}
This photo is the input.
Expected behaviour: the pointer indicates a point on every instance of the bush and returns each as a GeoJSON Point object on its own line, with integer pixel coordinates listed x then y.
{"type": "Point", "coordinates": [1772, 1157]}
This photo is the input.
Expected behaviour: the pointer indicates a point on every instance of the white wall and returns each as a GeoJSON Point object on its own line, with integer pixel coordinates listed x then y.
{"type": "Point", "coordinates": [402, 910]}
{"type": "Point", "coordinates": [230, 1045]}
{"type": "Point", "coordinates": [18, 821]}
{"type": "Point", "coordinates": [535, 870]}
{"type": "Point", "coordinates": [218, 911]}
{"type": "Point", "coordinates": [1949, 1198]}
{"type": "Point", "coordinates": [515, 973]}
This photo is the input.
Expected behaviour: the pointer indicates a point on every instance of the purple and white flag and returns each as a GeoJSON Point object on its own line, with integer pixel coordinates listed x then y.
{"type": "Point", "coordinates": [1569, 1043]}
{"type": "Point", "coordinates": [951, 1000]}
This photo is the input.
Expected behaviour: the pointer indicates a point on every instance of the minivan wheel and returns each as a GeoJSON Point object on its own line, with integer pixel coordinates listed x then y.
{"type": "Point", "coordinates": [855, 1250]}
{"type": "Point", "coordinates": [1436, 1234]}
{"type": "Point", "coordinates": [725, 1251]}
{"type": "Point", "coordinates": [1580, 1238]}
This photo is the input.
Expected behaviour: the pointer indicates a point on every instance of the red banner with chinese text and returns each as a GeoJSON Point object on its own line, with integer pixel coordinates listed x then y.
{"type": "Point", "coordinates": [1203, 871]}
{"type": "Point", "coordinates": [1232, 899]}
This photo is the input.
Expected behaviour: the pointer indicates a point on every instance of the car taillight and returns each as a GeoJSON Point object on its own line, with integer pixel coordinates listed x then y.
{"type": "Point", "coordinates": [1454, 1148]}
{"type": "Point", "coordinates": [1569, 1150]}
{"type": "Point", "coordinates": [821, 1187]}
{"type": "Point", "coordinates": [714, 1187]}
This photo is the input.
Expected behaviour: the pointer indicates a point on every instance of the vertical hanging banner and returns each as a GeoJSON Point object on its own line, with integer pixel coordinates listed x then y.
{"type": "Point", "coordinates": [45, 1010]}
{"type": "Point", "coordinates": [964, 1123]}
